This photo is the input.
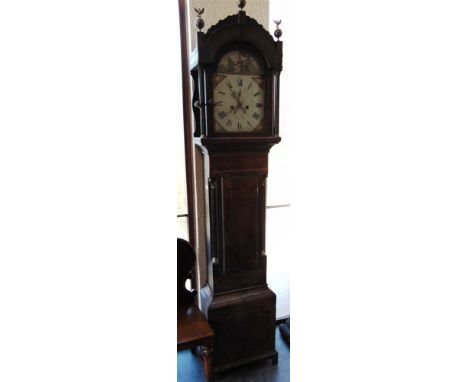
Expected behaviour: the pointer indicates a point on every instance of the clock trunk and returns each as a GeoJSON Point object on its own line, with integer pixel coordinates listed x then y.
{"type": "Point", "coordinates": [237, 301]}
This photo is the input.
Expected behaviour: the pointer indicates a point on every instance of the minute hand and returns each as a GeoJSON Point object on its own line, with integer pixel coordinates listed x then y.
{"type": "Point", "coordinates": [235, 95]}
{"type": "Point", "coordinates": [237, 98]}
{"type": "Point", "coordinates": [240, 105]}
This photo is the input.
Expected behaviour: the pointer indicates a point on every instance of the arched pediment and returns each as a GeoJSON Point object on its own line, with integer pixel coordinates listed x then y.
{"type": "Point", "coordinates": [239, 28]}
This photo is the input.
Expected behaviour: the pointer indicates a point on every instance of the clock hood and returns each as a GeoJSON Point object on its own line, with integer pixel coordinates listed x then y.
{"type": "Point", "coordinates": [238, 28]}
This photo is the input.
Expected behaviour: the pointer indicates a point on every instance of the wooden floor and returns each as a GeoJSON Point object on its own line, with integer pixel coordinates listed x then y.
{"type": "Point", "coordinates": [190, 368]}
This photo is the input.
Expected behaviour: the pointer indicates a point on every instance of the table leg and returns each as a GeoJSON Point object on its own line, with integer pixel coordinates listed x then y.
{"type": "Point", "coordinates": [207, 360]}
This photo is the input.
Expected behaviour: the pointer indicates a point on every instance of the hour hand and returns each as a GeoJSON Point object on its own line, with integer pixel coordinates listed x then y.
{"type": "Point", "coordinates": [234, 95]}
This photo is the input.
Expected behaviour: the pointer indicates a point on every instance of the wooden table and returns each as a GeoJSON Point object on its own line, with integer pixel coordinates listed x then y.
{"type": "Point", "coordinates": [193, 330]}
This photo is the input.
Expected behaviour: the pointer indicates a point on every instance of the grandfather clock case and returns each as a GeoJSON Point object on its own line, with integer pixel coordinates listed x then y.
{"type": "Point", "coordinates": [235, 70]}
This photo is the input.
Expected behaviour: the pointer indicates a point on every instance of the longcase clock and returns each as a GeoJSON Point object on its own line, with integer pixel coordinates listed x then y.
{"type": "Point", "coordinates": [235, 69]}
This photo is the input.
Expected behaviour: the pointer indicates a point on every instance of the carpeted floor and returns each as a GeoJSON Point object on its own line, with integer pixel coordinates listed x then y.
{"type": "Point", "coordinates": [190, 367]}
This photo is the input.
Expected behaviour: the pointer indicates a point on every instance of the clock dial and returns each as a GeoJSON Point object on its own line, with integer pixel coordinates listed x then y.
{"type": "Point", "coordinates": [238, 102]}
{"type": "Point", "coordinates": [238, 94]}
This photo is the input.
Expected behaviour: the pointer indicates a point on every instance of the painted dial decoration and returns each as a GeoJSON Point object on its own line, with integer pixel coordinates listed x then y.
{"type": "Point", "coordinates": [238, 93]}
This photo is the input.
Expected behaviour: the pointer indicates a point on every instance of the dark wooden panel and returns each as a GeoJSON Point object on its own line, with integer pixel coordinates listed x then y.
{"type": "Point", "coordinates": [242, 280]}
{"type": "Point", "coordinates": [240, 223]}
{"type": "Point", "coordinates": [247, 331]}
{"type": "Point", "coordinates": [237, 221]}
{"type": "Point", "coordinates": [239, 162]}
{"type": "Point", "coordinates": [246, 321]}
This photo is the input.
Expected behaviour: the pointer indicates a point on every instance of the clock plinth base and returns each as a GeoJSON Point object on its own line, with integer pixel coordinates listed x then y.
{"type": "Point", "coordinates": [244, 326]}
{"type": "Point", "coordinates": [265, 356]}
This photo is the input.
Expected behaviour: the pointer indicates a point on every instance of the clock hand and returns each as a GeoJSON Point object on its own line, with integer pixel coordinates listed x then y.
{"type": "Point", "coordinates": [233, 109]}
{"type": "Point", "coordinates": [239, 104]}
{"type": "Point", "coordinates": [236, 97]}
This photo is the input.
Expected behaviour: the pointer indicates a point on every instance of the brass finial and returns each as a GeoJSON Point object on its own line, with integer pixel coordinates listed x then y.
{"type": "Point", "coordinates": [278, 32]}
{"type": "Point", "coordinates": [199, 23]}
{"type": "Point", "coordinates": [241, 4]}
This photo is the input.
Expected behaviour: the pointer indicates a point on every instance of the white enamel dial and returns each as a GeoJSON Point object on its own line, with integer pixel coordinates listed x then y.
{"type": "Point", "coordinates": [238, 102]}
{"type": "Point", "coordinates": [238, 93]}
